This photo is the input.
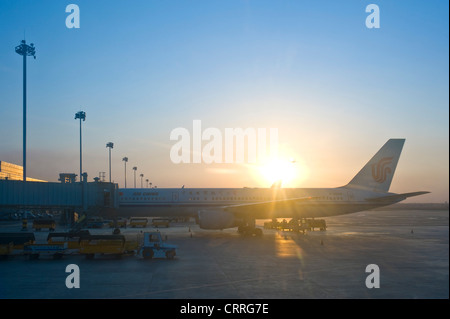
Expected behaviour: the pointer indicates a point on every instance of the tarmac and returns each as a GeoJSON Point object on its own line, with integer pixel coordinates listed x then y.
{"type": "Point", "coordinates": [410, 248]}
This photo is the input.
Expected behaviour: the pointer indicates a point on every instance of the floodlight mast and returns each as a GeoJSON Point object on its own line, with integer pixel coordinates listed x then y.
{"type": "Point", "coordinates": [134, 169]}
{"type": "Point", "coordinates": [82, 116]}
{"type": "Point", "coordinates": [125, 159]}
{"type": "Point", "coordinates": [25, 50]}
{"type": "Point", "coordinates": [110, 145]}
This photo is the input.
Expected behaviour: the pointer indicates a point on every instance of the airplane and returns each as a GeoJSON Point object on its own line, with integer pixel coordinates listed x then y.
{"type": "Point", "coordinates": [221, 208]}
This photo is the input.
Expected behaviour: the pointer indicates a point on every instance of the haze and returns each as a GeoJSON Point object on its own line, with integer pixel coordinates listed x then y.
{"type": "Point", "coordinates": [335, 90]}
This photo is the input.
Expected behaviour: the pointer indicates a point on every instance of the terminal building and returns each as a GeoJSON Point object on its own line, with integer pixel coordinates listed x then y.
{"type": "Point", "coordinates": [13, 172]}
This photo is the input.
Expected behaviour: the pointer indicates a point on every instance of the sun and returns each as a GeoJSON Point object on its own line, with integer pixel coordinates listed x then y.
{"type": "Point", "coordinates": [284, 170]}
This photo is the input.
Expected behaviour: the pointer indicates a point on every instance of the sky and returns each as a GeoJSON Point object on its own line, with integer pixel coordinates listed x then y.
{"type": "Point", "coordinates": [334, 89]}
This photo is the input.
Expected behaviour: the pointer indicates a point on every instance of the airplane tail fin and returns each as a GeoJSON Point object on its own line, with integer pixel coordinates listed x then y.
{"type": "Point", "coordinates": [377, 174]}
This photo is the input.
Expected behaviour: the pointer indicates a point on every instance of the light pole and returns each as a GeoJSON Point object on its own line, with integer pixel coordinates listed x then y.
{"type": "Point", "coordinates": [110, 145]}
{"type": "Point", "coordinates": [125, 159]}
{"type": "Point", "coordinates": [142, 175]}
{"type": "Point", "coordinates": [134, 169]}
{"type": "Point", "coordinates": [82, 116]}
{"type": "Point", "coordinates": [25, 50]}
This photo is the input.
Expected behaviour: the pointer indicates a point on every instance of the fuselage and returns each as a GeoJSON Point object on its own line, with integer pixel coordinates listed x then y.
{"type": "Point", "coordinates": [316, 202]}
{"type": "Point", "coordinates": [220, 208]}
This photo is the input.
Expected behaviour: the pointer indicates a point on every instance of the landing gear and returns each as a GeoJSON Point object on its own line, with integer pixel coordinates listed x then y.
{"type": "Point", "coordinates": [248, 228]}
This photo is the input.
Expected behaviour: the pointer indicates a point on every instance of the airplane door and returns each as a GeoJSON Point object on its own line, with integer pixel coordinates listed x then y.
{"type": "Point", "coordinates": [174, 197]}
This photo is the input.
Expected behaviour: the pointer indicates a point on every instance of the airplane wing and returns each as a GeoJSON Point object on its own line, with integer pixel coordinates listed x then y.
{"type": "Point", "coordinates": [265, 206]}
{"type": "Point", "coordinates": [394, 198]}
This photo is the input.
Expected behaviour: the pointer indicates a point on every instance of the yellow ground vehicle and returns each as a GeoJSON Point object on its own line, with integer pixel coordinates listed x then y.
{"type": "Point", "coordinates": [132, 244]}
{"type": "Point", "coordinates": [18, 239]}
{"type": "Point", "coordinates": [96, 222]}
{"type": "Point", "coordinates": [38, 224]}
{"type": "Point", "coordinates": [138, 222]}
{"type": "Point", "coordinates": [120, 222]}
{"type": "Point", "coordinates": [317, 223]}
{"type": "Point", "coordinates": [34, 251]}
{"type": "Point", "coordinates": [160, 222]}
{"type": "Point", "coordinates": [102, 244]}
{"type": "Point", "coordinates": [9, 242]}
{"type": "Point", "coordinates": [71, 238]}
{"type": "Point", "coordinates": [6, 249]}
{"type": "Point", "coordinates": [297, 225]}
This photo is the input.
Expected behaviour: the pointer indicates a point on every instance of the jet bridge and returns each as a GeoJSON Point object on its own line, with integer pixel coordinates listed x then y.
{"type": "Point", "coordinates": [78, 196]}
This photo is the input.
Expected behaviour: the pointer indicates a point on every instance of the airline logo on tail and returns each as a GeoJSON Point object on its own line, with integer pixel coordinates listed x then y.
{"type": "Point", "coordinates": [381, 169]}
